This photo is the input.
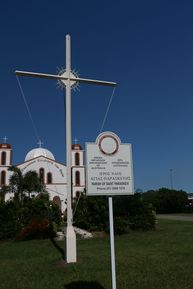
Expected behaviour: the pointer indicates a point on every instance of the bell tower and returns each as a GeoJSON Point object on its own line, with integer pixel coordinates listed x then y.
{"type": "Point", "coordinates": [5, 162]}
{"type": "Point", "coordinates": [78, 170]}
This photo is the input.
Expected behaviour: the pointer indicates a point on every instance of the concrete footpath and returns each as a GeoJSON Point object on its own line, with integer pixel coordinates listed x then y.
{"type": "Point", "coordinates": [175, 217]}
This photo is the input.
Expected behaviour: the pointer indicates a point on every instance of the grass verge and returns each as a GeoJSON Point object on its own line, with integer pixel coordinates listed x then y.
{"type": "Point", "coordinates": [160, 259]}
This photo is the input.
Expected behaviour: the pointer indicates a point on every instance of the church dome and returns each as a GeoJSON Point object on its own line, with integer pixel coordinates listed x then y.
{"type": "Point", "coordinates": [39, 152]}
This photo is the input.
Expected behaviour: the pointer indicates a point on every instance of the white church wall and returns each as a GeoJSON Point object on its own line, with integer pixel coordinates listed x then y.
{"type": "Point", "coordinates": [9, 196]}
{"type": "Point", "coordinates": [77, 190]}
{"type": "Point", "coordinates": [41, 158]}
{"type": "Point", "coordinates": [5, 163]}
{"type": "Point", "coordinates": [60, 191]}
{"type": "Point", "coordinates": [82, 175]}
{"type": "Point", "coordinates": [58, 171]}
{"type": "Point", "coordinates": [7, 174]}
{"type": "Point", "coordinates": [80, 185]}
{"type": "Point", "coordinates": [81, 158]}
{"type": "Point", "coordinates": [5, 155]}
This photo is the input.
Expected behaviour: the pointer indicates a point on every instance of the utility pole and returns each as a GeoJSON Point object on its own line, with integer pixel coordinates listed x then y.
{"type": "Point", "coordinates": [68, 79]}
{"type": "Point", "coordinates": [171, 179]}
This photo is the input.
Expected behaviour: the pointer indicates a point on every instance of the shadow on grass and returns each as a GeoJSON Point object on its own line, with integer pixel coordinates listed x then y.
{"type": "Point", "coordinates": [57, 247]}
{"type": "Point", "coordinates": [84, 285]}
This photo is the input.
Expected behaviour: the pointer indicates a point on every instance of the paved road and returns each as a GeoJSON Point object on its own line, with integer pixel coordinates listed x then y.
{"type": "Point", "coordinates": [175, 217]}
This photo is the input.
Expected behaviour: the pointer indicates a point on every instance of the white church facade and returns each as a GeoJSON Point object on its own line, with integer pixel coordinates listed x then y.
{"type": "Point", "coordinates": [51, 172]}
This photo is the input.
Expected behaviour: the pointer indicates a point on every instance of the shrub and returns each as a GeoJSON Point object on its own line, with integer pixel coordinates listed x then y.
{"type": "Point", "coordinates": [143, 221]}
{"type": "Point", "coordinates": [92, 213]}
{"type": "Point", "coordinates": [39, 208]}
{"type": "Point", "coordinates": [9, 220]}
{"type": "Point", "coordinates": [17, 218]}
{"type": "Point", "coordinates": [121, 225]}
{"type": "Point", "coordinates": [139, 214]}
{"type": "Point", "coordinates": [36, 229]}
{"type": "Point", "coordinates": [130, 212]}
{"type": "Point", "coordinates": [167, 201]}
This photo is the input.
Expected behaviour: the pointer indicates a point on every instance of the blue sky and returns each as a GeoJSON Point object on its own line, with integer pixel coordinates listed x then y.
{"type": "Point", "coordinates": [145, 46]}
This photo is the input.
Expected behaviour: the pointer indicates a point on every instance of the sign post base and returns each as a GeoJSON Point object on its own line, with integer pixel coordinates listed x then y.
{"type": "Point", "coordinates": [70, 245]}
{"type": "Point", "coordinates": [112, 243]}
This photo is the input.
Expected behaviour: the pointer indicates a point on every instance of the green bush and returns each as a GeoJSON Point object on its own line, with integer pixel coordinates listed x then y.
{"type": "Point", "coordinates": [40, 208]}
{"type": "Point", "coordinates": [143, 221]}
{"type": "Point", "coordinates": [167, 201]}
{"type": "Point", "coordinates": [138, 213]}
{"type": "Point", "coordinates": [121, 225]}
{"type": "Point", "coordinates": [92, 213]}
{"type": "Point", "coordinates": [130, 212]}
{"type": "Point", "coordinates": [36, 229]}
{"type": "Point", "coordinates": [9, 220]}
{"type": "Point", "coordinates": [15, 217]}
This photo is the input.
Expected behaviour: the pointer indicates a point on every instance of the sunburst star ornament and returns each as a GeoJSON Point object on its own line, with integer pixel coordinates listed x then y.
{"type": "Point", "coordinates": [62, 83]}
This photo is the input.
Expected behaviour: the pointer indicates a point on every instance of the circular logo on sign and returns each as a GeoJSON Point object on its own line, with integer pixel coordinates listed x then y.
{"type": "Point", "coordinates": [108, 145]}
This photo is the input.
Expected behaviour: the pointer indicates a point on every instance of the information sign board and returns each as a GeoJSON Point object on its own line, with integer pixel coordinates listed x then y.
{"type": "Point", "coordinates": [109, 169]}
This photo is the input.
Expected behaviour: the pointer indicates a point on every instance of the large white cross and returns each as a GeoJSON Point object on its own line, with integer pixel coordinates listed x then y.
{"type": "Point", "coordinates": [68, 79]}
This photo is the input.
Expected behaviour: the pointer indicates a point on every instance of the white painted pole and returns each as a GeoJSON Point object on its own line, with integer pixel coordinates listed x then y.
{"type": "Point", "coordinates": [112, 243]}
{"type": "Point", "coordinates": [70, 234]}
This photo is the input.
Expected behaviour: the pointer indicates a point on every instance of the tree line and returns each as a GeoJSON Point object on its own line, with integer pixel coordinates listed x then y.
{"type": "Point", "coordinates": [166, 200]}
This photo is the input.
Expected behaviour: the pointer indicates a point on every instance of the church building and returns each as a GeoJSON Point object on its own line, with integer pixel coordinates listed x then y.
{"type": "Point", "coordinates": [51, 172]}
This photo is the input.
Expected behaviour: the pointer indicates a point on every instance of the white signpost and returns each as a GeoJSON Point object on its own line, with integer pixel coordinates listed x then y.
{"type": "Point", "coordinates": [109, 172]}
{"type": "Point", "coordinates": [109, 166]}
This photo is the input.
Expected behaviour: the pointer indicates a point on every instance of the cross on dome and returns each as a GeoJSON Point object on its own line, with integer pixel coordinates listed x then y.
{"type": "Point", "coordinates": [40, 143]}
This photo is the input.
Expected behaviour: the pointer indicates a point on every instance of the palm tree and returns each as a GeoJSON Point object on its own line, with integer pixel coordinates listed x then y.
{"type": "Point", "coordinates": [16, 183]}
{"type": "Point", "coordinates": [32, 183]}
{"type": "Point", "coordinates": [21, 184]}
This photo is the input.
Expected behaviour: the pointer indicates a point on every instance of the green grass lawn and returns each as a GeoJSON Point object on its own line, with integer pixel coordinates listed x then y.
{"type": "Point", "coordinates": [160, 259]}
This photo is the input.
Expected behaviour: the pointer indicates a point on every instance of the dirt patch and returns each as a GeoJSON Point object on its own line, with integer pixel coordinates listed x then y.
{"type": "Point", "coordinates": [99, 234]}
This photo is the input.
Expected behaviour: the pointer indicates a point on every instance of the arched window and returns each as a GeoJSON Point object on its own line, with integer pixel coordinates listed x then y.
{"type": "Point", "coordinates": [77, 159]}
{"type": "Point", "coordinates": [77, 178]}
{"type": "Point", "coordinates": [77, 194]}
{"type": "Point", "coordinates": [49, 178]}
{"type": "Point", "coordinates": [41, 174]}
{"type": "Point", "coordinates": [3, 178]}
{"type": "Point", "coordinates": [3, 158]}
{"type": "Point", "coordinates": [57, 201]}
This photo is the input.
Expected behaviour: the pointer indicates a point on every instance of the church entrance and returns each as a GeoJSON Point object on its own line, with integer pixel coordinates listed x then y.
{"type": "Point", "coordinates": [57, 201]}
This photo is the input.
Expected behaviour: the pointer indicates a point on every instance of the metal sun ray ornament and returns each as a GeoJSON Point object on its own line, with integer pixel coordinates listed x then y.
{"type": "Point", "coordinates": [61, 83]}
